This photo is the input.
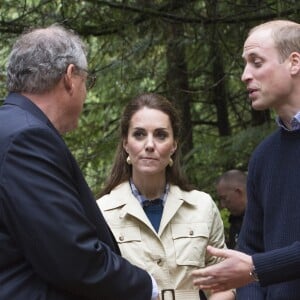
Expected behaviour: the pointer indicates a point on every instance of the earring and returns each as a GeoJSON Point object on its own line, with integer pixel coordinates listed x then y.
{"type": "Point", "coordinates": [128, 160]}
{"type": "Point", "coordinates": [171, 162]}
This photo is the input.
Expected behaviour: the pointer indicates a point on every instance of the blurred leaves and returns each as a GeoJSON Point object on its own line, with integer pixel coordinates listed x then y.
{"type": "Point", "coordinates": [129, 44]}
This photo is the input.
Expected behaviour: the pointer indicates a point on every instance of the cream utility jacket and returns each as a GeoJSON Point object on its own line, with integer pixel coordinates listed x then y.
{"type": "Point", "coordinates": [190, 222]}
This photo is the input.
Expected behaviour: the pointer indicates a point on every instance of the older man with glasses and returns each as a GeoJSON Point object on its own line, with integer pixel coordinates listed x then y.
{"type": "Point", "coordinates": [54, 241]}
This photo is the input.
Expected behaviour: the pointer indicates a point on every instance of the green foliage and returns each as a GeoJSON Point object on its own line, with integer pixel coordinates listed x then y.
{"type": "Point", "coordinates": [128, 51]}
{"type": "Point", "coordinates": [214, 155]}
{"type": "Point", "coordinates": [225, 217]}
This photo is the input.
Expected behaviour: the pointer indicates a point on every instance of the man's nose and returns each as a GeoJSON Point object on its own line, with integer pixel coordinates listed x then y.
{"type": "Point", "coordinates": [246, 75]}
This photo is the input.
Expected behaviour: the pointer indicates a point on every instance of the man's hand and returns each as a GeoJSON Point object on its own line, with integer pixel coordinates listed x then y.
{"type": "Point", "coordinates": [232, 272]}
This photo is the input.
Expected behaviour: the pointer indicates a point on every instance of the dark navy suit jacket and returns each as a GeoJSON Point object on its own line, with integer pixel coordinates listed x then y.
{"type": "Point", "coordinates": [54, 242]}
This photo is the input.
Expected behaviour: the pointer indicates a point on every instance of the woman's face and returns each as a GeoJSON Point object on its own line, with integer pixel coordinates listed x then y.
{"type": "Point", "coordinates": [150, 142]}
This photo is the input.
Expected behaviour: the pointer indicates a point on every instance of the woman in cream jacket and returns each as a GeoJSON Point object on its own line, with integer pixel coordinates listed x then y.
{"type": "Point", "coordinates": [147, 167]}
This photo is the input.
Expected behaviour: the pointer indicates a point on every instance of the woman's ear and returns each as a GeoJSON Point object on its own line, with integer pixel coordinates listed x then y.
{"type": "Point", "coordinates": [125, 145]}
{"type": "Point", "coordinates": [174, 148]}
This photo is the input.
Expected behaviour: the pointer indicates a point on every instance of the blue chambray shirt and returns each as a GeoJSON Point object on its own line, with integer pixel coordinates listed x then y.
{"type": "Point", "coordinates": [141, 198]}
{"type": "Point", "coordinates": [295, 122]}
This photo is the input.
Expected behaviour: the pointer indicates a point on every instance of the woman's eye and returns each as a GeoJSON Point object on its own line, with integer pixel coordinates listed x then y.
{"type": "Point", "coordinates": [161, 135]}
{"type": "Point", "coordinates": [138, 134]}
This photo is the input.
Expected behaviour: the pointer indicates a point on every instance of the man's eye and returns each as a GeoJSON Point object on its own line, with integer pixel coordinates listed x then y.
{"type": "Point", "coordinates": [257, 63]}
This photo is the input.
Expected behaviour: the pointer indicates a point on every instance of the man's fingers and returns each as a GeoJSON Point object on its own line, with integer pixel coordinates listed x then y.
{"type": "Point", "coordinates": [204, 286]}
{"type": "Point", "coordinates": [199, 273]}
{"type": "Point", "coordinates": [218, 252]}
{"type": "Point", "coordinates": [207, 282]}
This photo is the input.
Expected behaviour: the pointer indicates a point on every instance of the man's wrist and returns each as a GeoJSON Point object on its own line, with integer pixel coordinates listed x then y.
{"type": "Point", "coordinates": [254, 274]}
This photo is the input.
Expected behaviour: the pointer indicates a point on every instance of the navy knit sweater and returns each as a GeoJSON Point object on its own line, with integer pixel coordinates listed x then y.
{"type": "Point", "coordinates": [271, 228]}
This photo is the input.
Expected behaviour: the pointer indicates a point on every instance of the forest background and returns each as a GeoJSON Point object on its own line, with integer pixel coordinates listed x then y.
{"type": "Point", "coordinates": [187, 50]}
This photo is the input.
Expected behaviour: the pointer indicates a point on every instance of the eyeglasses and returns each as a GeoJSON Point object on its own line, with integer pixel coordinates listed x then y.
{"type": "Point", "coordinates": [90, 78]}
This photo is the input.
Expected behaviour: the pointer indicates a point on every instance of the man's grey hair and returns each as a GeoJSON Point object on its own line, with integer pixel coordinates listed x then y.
{"type": "Point", "coordinates": [39, 59]}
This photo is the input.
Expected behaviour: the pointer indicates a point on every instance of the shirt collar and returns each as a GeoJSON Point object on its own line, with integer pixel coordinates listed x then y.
{"type": "Point", "coordinates": [141, 198]}
{"type": "Point", "coordinates": [295, 122]}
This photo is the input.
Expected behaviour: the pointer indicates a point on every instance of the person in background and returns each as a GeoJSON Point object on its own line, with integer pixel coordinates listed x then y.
{"type": "Point", "coordinates": [270, 237]}
{"type": "Point", "coordinates": [161, 223]}
{"type": "Point", "coordinates": [54, 241]}
{"type": "Point", "coordinates": [232, 193]}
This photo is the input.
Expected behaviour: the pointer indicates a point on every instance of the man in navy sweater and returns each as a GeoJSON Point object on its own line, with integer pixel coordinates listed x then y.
{"type": "Point", "coordinates": [269, 268]}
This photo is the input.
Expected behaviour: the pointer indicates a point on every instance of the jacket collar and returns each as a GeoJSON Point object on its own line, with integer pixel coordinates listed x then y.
{"type": "Point", "coordinates": [26, 104]}
{"type": "Point", "coordinates": [130, 205]}
{"type": "Point", "coordinates": [176, 198]}
{"type": "Point", "coordinates": [118, 200]}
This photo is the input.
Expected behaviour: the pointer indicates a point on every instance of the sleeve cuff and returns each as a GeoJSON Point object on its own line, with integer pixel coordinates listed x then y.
{"type": "Point", "coordinates": [154, 289]}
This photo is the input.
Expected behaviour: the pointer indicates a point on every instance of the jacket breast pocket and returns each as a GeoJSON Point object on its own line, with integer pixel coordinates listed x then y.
{"type": "Point", "coordinates": [190, 241]}
{"type": "Point", "coordinates": [130, 243]}
{"type": "Point", "coordinates": [127, 234]}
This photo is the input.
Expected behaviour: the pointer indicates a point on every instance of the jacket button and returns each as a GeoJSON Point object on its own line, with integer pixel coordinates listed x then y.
{"type": "Point", "coordinates": [191, 232]}
{"type": "Point", "coordinates": [159, 262]}
{"type": "Point", "coordinates": [121, 238]}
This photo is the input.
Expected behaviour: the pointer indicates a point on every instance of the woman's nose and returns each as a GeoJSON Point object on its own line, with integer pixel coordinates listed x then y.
{"type": "Point", "coordinates": [149, 145]}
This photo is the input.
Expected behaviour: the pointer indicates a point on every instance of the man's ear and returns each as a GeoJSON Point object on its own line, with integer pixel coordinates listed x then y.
{"type": "Point", "coordinates": [238, 190]}
{"type": "Point", "coordinates": [68, 78]}
{"type": "Point", "coordinates": [295, 63]}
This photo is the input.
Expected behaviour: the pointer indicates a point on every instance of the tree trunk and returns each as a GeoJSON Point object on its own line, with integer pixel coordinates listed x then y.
{"type": "Point", "coordinates": [177, 82]}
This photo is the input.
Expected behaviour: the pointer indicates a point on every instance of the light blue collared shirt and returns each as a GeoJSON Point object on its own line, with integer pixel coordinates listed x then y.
{"type": "Point", "coordinates": [142, 198]}
{"type": "Point", "coordinates": [295, 123]}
